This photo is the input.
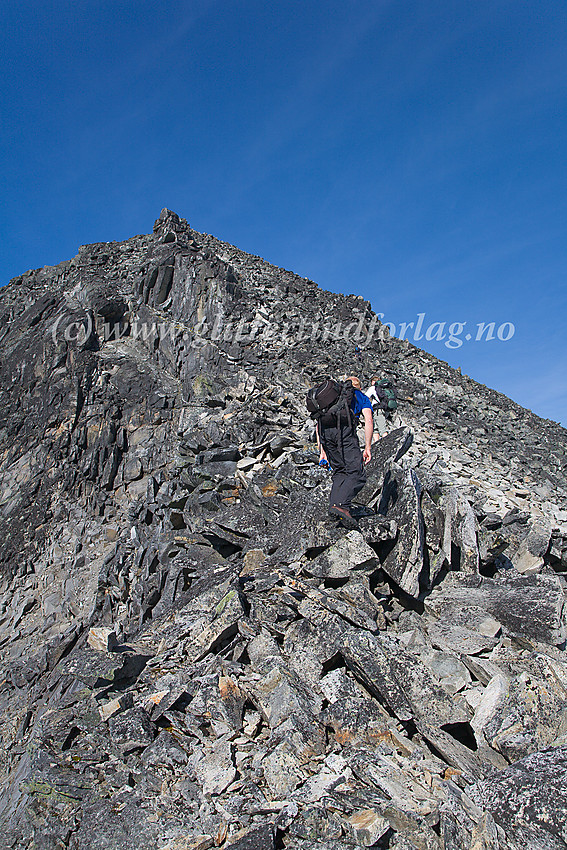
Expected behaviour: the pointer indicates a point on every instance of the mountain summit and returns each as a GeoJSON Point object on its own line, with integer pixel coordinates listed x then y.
{"type": "Point", "coordinates": [194, 655]}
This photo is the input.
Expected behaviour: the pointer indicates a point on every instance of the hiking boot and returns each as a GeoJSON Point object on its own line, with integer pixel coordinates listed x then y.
{"type": "Point", "coordinates": [344, 516]}
{"type": "Point", "coordinates": [358, 511]}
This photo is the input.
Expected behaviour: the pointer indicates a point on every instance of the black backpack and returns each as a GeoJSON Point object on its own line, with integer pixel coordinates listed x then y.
{"type": "Point", "coordinates": [387, 399]}
{"type": "Point", "coordinates": [330, 401]}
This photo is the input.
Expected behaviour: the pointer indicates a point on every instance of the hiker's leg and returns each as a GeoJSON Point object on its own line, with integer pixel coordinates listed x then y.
{"type": "Point", "coordinates": [335, 458]}
{"type": "Point", "coordinates": [355, 474]}
{"type": "Point", "coordinates": [344, 481]}
{"type": "Point", "coordinates": [380, 423]}
{"type": "Point", "coordinates": [339, 489]}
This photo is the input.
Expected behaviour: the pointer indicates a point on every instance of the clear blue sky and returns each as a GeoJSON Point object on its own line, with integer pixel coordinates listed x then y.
{"type": "Point", "coordinates": [410, 152]}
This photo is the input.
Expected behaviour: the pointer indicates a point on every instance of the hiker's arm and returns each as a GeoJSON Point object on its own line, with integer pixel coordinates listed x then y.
{"type": "Point", "coordinates": [368, 433]}
{"type": "Point", "coordinates": [322, 453]}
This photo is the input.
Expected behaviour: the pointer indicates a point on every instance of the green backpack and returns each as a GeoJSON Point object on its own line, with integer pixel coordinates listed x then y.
{"type": "Point", "coordinates": [387, 399]}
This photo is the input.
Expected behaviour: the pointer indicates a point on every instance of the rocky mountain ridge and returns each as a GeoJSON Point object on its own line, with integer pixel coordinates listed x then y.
{"type": "Point", "coordinates": [193, 655]}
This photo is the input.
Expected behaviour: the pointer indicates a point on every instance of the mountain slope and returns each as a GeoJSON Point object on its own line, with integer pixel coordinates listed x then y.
{"type": "Point", "coordinates": [193, 654]}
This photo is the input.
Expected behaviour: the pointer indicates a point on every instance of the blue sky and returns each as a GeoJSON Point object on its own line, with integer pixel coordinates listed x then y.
{"type": "Point", "coordinates": [410, 152]}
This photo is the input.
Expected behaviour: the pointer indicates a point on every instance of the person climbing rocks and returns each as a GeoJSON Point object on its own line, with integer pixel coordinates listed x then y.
{"type": "Point", "coordinates": [386, 416]}
{"type": "Point", "coordinates": [338, 444]}
{"type": "Point", "coordinates": [361, 424]}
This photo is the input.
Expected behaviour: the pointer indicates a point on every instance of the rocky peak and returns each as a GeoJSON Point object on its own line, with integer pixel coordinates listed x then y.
{"type": "Point", "coordinates": [194, 655]}
{"type": "Point", "coordinates": [169, 227]}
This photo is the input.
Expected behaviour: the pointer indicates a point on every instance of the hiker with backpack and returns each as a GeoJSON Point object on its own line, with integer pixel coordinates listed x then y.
{"type": "Point", "coordinates": [384, 401]}
{"type": "Point", "coordinates": [336, 407]}
{"type": "Point", "coordinates": [360, 425]}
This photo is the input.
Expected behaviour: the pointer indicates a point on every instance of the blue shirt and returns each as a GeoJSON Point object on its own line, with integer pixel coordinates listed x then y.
{"type": "Point", "coordinates": [359, 402]}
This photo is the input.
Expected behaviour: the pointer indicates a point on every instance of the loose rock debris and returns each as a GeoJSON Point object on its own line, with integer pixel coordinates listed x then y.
{"type": "Point", "coordinates": [194, 654]}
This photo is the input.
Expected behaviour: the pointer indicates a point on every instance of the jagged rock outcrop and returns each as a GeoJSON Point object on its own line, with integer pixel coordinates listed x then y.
{"type": "Point", "coordinates": [193, 654]}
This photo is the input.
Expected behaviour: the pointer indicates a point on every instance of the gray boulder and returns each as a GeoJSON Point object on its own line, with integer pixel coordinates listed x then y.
{"type": "Point", "coordinates": [530, 606]}
{"type": "Point", "coordinates": [528, 800]}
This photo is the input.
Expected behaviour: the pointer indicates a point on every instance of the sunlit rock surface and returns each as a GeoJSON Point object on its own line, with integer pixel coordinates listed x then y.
{"type": "Point", "coordinates": [193, 654]}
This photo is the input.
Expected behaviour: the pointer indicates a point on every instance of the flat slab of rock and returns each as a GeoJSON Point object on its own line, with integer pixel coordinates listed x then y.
{"type": "Point", "coordinates": [261, 838]}
{"type": "Point", "coordinates": [351, 554]}
{"type": "Point", "coordinates": [528, 800]}
{"type": "Point", "coordinates": [308, 646]}
{"type": "Point", "coordinates": [354, 716]}
{"type": "Point", "coordinates": [366, 826]}
{"type": "Point", "coordinates": [282, 771]}
{"type": "Point", "coordinates": [387, 449]}
{"type": "Point", "coordinates": [437, 535]}
{"type": "Point", "coordinates": [228, 613]}
{"type": "Point", "coordinates": [463, 529]}
{"type": "Point", "coordinates": [452, 637]}
{"type": "Point", "coordinates": [216, 770]}
{"type": "Point", "coordinates": [451, 672]}
{"type": "Point", "coordinates": [302, 524]}
{"type": "Point", "coordinates": [279, 695]}
{"type": "Point", "coordinates": [400, 501]}
{"type": "Point", "coordinates": [400, 679]}
{"type": "Point", "coordinates": [165, 750]}
{"type": "Point", "coordinates": [531, 606]}
{"type": "Point", "coordinates": [96, 668]}
{"type": "Point", "coordinates": [525, 714]}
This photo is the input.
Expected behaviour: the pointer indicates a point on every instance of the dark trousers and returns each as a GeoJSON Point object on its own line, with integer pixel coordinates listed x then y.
{"type": "Point", "coordinates": [344, 455]}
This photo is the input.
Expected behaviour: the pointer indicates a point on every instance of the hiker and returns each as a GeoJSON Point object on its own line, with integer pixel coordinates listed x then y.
{"type": "Point", "coordinates": [361, 425]}
{"type": "Point", "coordinates": [338, 443]}
{"type": "Point", "coordinates": [384, 405]}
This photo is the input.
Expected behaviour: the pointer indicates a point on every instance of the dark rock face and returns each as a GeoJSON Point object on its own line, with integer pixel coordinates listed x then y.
{"type": "Point", "coordinates": [528, 799]}
{"type": "Point", "coordinates": [193, 654]}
